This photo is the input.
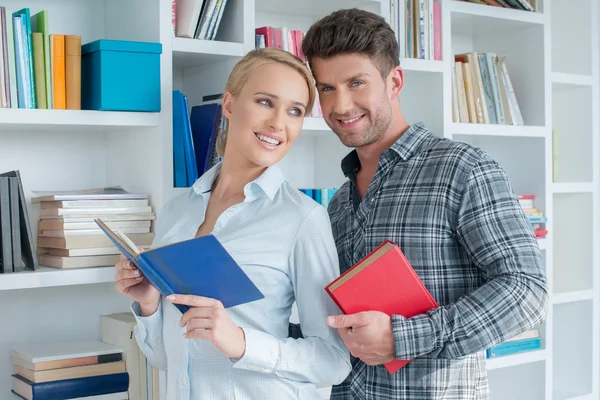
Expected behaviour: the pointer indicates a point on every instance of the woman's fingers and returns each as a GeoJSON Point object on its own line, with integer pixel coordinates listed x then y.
{"type": "Point", "coordinates": [200, 323]}
{"type": "Point", "coordinates": [124, 284]}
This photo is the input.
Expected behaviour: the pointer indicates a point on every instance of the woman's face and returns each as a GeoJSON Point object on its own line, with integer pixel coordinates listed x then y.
{"type": "Point", "coordinates": [266, 117]}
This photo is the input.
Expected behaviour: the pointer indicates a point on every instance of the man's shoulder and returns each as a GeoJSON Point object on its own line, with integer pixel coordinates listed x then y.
{"type": "Point", "coordinates": [457, 153]}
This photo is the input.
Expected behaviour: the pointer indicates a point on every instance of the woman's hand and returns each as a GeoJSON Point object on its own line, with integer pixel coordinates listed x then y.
{"type": "Point", "coordinates": [130, 282]}
{"type": "Point", "coordinates": [208, 320]}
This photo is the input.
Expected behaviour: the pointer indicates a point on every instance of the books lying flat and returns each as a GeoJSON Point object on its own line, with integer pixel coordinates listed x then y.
{"type": "Point", "coordinates": [113, 192]}
{"type": "Point", "coordinates": [42, 356]}
{"type": "Point", "coordinates": [47, 260]}
{"type": "Point", "coordinates": [71, 388]}
{"type": "Point", "coordinates": [90, 241]}
{"type": "Point", "coordinates": [199, 266]}
{"type": "Point", "coordinates": [382, 281]}
{"type": "Point", "coordinates": [70, 372]}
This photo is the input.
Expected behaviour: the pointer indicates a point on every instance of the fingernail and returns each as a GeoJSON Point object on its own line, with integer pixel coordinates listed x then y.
{"type": "Point", "coordinates": [171, 297]}
{"type": "Point", "coordinates": [330, 320]}
{"type": "Point", "coordinates": [136, 272]}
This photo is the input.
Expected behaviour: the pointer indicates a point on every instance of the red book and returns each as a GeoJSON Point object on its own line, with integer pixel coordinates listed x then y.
{"type": "Point", "coordinates": [382, 281]}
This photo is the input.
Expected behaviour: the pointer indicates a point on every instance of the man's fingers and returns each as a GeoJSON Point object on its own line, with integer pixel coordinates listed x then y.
{"type": "Point", "coordinates": [194, 301]}
{"type": "Point", "coordinates": [343, 321]}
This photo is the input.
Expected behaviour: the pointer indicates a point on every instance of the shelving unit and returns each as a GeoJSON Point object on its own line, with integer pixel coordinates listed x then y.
{"type": "Point", "coordinates": [552, 58]}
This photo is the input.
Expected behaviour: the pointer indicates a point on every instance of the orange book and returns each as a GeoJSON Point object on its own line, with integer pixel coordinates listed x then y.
{"type": "Point", "coordinates": [73, 71]}
{"type": "Point", "coordinates": [57, 45]}
{"type": "Point", "coordinates": [382, 281]}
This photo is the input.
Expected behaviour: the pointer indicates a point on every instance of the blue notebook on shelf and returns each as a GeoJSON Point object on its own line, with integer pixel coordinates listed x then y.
{"type": "Point", "coordinates": [199, 266]}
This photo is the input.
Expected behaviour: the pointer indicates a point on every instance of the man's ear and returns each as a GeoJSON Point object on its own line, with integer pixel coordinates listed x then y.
{"type": "Point", "coordinates": [396, 80]}
{"type": "Point", "coordinates": [227, 105]}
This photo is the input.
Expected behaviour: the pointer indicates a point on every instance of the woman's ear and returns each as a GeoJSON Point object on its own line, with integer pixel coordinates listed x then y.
{"type": "Point", "coordinates": [227, 104]}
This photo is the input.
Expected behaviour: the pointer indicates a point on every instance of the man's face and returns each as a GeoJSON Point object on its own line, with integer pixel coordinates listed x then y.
{"type": "Point", "coordinates": [355, 99]}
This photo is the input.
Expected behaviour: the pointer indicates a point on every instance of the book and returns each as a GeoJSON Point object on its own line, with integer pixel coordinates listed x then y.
{"type": "Point", "coordinates": [199, 266]}
{"type": "Point", "coordinates": [42, 356]}
{"type": "Point", "coordinates": [382, 281]}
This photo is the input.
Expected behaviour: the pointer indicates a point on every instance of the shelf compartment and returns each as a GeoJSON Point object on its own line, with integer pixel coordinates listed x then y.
{"type": "Point", "coordinates": [573, 247]}
{"type": "Point", "coordinates": [527, 381]}
{"type": "Point", "coordinates": [572, 297]}
{"type": "Point", "coordinates": [190, 53]}
{"type": "Point", "coordinates": [19, 119]}
{"type": "Point", "coordinates": [572, 120]}
{"type": "Point", "coordinates": [572, 353]}
{"type": "Point", "coordinates": [418, 65]}
{"type": "Point", "coordinates": [572, 25]}
{"type": "Point", "coordinates": [566, 80]}
{"type": "Point", "coordinates": [315, 8]}
{"type": "Point", "coordinates": [472, 17]}
{"type": "Point", "coordinates": [498, 130]}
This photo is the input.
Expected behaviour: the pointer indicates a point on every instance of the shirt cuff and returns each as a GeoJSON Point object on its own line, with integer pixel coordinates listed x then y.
{"type": "Point", "coordinates": [413, 337]}
{"type": "Point", "coordinates": [151, 323]}
{"type": "Point", "coordinates": [262, 352]}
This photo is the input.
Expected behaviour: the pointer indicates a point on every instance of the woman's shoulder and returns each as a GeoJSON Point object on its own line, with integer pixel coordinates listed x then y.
{"type": "Point", "coordinates": [299, 203]}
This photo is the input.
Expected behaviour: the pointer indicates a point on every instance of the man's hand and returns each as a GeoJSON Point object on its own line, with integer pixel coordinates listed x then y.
{"type": "Point", "coordinates": [368, 335]}
{"type": "Point", "coordinates": [208, 320]}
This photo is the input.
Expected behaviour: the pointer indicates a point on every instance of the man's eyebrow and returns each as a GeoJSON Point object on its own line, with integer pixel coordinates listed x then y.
{"type": "Point", "coordinates": [356, 77]}
{"type": "Point", "coordinates": [274, 96]}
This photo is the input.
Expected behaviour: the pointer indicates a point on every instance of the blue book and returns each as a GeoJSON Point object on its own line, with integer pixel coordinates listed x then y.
{"type": "Point", "coordinates": [26, 19]}
{"type": "Point", "coordinates": [199, 266]}
{"type": "Point", "coordinates": [71, 388]}
{"type": "Point", "coordinates": [179, 153]}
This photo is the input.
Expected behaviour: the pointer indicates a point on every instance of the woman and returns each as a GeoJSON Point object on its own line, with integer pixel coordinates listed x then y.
{"type": "Point", "coordinates": [279, 236]}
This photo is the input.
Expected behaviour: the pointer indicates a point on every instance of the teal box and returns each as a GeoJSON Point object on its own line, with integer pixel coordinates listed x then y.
{"type": "Point", "coordinates": [119, 75]}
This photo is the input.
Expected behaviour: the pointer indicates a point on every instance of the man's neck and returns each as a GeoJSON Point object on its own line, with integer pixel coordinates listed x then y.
{"type": "Point", "coordinates": [369, 154]}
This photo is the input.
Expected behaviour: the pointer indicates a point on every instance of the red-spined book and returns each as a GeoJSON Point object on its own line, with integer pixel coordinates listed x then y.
{"type": "Point", "coordinates": [382, 281]}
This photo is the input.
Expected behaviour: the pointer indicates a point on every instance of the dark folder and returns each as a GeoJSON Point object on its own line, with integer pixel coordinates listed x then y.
{"type": "Point", "coordinates": [199, 266]}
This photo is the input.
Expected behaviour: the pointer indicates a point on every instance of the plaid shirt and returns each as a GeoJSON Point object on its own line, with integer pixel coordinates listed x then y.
{"type": "Point", "coordinates": [453, 212]}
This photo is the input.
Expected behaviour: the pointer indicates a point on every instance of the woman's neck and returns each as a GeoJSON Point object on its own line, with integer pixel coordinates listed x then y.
{"type": "Point", "coordinates": [233, 177]}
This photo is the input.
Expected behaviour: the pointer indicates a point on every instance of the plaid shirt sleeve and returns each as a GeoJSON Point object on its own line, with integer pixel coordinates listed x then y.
{"type": "Point", "coordinates": [495, 234]}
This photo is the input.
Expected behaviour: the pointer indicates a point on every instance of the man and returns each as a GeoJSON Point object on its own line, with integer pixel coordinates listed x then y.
{"type": "Point", "coordinates": [449, 207]}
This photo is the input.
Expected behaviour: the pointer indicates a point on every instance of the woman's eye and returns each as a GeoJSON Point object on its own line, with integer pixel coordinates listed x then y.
{"type": "Point", "coordinates": [265, 102]}
{"type": "Point", "coordinates": [297, 112]}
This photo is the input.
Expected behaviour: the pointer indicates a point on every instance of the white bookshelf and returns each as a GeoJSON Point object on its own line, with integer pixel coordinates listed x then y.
{"type": "Point", "coordinates": [552, 58]}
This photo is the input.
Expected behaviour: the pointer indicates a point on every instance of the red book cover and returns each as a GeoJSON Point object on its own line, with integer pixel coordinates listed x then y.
{"type": "Point", "coordinates": [267, 32]}
{"type": "Point", "coordinates": [382, 281]}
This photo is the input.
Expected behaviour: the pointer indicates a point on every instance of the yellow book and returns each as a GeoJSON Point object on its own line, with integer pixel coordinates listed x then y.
{"type": "Point", "coordinates": [73, 71]}
{"type": "Point", "coordinates": [57, 43]}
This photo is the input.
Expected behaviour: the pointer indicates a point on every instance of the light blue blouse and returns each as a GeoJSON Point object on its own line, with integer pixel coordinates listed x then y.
{"type": "Point", "coordinates": [282, 240]}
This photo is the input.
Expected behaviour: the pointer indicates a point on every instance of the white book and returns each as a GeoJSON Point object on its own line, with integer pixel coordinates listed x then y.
{"type": "Point", "coordinates": [37, 352]}
{"type": "Point", "coordinates": [188, 14]}
{"type": "Point", "coordinates": [85, 232]}
{"type": "Point", "coordinates": [94, 211]}
{"type": "Point", "coordinates": [105, 193]}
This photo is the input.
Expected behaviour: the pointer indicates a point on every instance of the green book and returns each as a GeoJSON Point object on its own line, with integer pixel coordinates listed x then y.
{"type": "Point", "coordinates": [37, 40]}
{"type": "Point", "coordinates": [39, 23]}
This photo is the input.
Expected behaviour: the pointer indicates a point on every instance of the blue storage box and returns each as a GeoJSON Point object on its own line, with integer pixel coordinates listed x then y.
{"type": "Point", "coordinates": [120, 75]}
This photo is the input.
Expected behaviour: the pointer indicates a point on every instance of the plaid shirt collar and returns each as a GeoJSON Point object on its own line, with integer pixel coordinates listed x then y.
{"type": "Point", "coordinates": [407, 145]}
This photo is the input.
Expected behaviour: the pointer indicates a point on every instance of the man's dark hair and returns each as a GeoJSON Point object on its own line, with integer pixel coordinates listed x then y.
{"type": "Point", "coordinates": [353, 31]}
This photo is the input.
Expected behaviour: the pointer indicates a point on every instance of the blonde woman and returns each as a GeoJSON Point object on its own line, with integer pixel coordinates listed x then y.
{"type": "Point", "coordinates": [281, 239]}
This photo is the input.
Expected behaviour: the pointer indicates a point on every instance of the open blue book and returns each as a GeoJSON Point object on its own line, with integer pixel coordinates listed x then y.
{"type": "Point", "coordinates": [199, 266]}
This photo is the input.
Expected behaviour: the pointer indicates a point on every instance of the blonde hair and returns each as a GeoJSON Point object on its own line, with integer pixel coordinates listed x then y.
{"type": "Point", "coordinates": [255, 59]}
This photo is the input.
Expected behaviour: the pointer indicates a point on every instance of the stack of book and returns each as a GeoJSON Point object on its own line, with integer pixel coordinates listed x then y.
{"type": "Point", "coordinates": [321, 196]}
{"type": "Point", "coordinates": [289, 40]}
{"type": "Point", "coordinates": [76, 369]}
{"type": "Point", "coordinates": [525, 5]}
{"type": "Point", "coordinates": [535, 216]}
{"type": "Point", "coordinates": [68, 236]}
{"type": "Point", "coordinates": [197, 19]}
{"type": "Point", "coordinates": [482, 91]}
{"type": "Point", "coordinates": [526, 341]}
{"type": "Point", "coordinates": [40, 70]}
{"type": "Point", "coordinates": [17, 248]}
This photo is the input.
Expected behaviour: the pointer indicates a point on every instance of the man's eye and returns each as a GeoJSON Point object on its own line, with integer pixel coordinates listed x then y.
{"type": "Point", "coordinates": [356, 83]}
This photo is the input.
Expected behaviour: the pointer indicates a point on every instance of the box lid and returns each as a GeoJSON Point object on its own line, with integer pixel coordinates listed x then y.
{"type": "Point", "coordinates": [121, 45]}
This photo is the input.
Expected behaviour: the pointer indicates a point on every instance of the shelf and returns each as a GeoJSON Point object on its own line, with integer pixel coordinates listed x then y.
{"type": "Point", "coordinates": [498, 130]}
{"type": "Point", "coordinates": [542, 243]}
{"type": "Point", "coordinates": [47, 277]}
{"type": "Point", "coordinates": [515, 359]}
{"type": "Point", "coordinates": [573, 187]}
{"type": "Point", "coordinates": [418, 65]}
{"type": "Point", "coordinates": [318, 8]}
{"type": "Point", "coordinates": [573, 296]}
{"type": "Point", "coordinates": [468, 18]}
{"type": "Point", "coordinates": [315, 126]}
{"type": "Point", "coordinates": [189, 53]}
{"type": "Point", "coordinates": [564, 80]}
{"type": "Point", "coordinates": [19, 119]}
